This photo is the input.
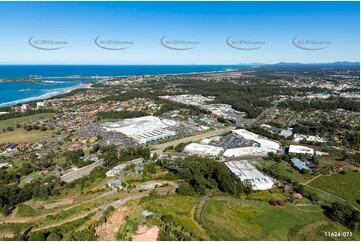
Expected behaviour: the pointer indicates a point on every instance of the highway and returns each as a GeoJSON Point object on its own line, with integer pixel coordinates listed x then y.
{"type": "Point", "coordinates": [84, 171]}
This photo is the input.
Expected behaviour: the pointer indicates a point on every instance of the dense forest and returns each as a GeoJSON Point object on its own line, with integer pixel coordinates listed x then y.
{"type": "Point", "coordinates": [327, 105]}
{"type": "Point", "coordinates": [203, 175]}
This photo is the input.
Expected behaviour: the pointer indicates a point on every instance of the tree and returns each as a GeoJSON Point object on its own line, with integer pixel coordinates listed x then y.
{"type": "Point", "coordinates": [203, 173]}
{"type": "Point", "coordinates": [344, 214]}
{"type": "Point", "coordinates": [74, 155]}
{"type": "Point", "coordinates": [273, 202]}
{"type": "Point", "coordinates": [36, 236]}
{"type": "Point", "coordinates": [110, 208]}
{"type": "Point", "coordinates": [153, 193]}
{"type": "Point", "coordinates": [281, 203]}
{"type": "Point", "coordinates": [151, 168]}
{"type": "Point", "coordinates": [54, 237]}
{"type": "Point", "coordinates": [185, 189]}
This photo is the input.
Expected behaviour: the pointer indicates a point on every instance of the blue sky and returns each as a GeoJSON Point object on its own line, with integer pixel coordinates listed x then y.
{"type": "Point", "coordinates": [274, 24]}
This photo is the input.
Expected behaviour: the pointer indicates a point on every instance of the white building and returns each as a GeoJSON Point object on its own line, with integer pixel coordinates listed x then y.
{"type": "Point", "coordinates": [148, 185]}
{"type": "Point", "coordinates": [286, 132]}
{"type": "Point", "coordinates": [272, 146]}
{"type": "Point", "coordinates": [24, 107]}
{"type": "Point", "coordinates": [298, 149]}
{"type": "Point", "coordinates": [4, 164]}
{"type": "Point", "coordinates": [189, 99]}
{"type": "Point", "coordinates": [143, 129]}
{"type": "Point", "coordinates": [246, 172]}
{"type": "Point", "coordinates": [203, 150]}
{"type": "Point", "coordinates": [246, 151]}
{"type": "Point", "coordinates": [117, 170]}
{"type": "Point", "coordinates": [309, 138]}
{"type": "Point", "coordinates": [40, 104]}
{"type": "Point", "coordinates": [210, 140]}
{"type": "Point", "coordinates": [115, 184]}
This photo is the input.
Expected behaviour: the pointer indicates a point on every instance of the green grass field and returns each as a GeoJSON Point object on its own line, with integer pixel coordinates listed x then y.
{"type": "Point", "coordinates": [346, 186]}
{"type": "Point", "coordinates": [315, 231]}
{"type": "Point", "coordinates": [30, 118]}
{"type": "Point", "coordinates": [21, 135]}
{"type": "Point", "coordinates": [229, 218]}
{"type": "Point", "coordinates": [264, 223]}
{"type": "Point", "coordinates": [266, 196]}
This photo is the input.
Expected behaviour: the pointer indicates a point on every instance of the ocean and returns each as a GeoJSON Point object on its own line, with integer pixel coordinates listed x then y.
{"type": "Point", "coordinates": [57, 79]}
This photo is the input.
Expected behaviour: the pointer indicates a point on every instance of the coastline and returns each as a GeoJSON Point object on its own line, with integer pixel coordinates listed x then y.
{"type": "Point", "coordinates": [45, 96]}
{"type": "Point", "coordinates": [68, 90]}
{"type": "Point", "coordinates": [57, 92]}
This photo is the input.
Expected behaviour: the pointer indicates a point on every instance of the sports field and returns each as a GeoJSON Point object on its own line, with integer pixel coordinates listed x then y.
{"type": "Point", "coordinates": [21, 135]}
{"type": "Point", "coordinates": [14, 121]}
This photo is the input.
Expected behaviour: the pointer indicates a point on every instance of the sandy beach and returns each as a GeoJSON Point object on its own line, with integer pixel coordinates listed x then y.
{"type": "Point", "coordinates": [72, 89]}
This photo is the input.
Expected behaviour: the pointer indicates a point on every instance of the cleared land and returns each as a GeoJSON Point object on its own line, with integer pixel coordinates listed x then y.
{"type": "Point", "coordinates": [227, 218]}
{"type": "Point", "coordinates": [30, 118]}
{"type": "Point", "coordinates": [346, 186]}
{"type": "Point", "coordinates": [21, 135]}
{"type": "Point", "coordinates": [182, 208]}
{"type": "Point", "coordinates": [260, 221]}
{"type": "Point", "coordinates": [315, 231]}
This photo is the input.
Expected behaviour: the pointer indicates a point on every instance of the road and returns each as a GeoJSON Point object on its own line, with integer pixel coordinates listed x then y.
{"type": "Point", "coordinates": [161, 147]}
{"type": "Point", "coordinates": [200, 216]}
{"type": "Point", "coordinates": [266, 112]}
{"type": "Point", "coordinates": [120, 203]}
{"type": "Point", "coordinates": [71, 176]}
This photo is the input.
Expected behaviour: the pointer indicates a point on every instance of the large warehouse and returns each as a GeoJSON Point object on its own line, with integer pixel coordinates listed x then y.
{"type": "Point", "coordinates": [299, 149]}
{"type": "Point", "coordinates": [272, 146]}
{"type": "Point", "coordinates": [246, 172]}
{"type": "Point", "coordinates": [246, 151]}
{"type": "Point", "coordinates": [203, 150]}
{"type": "Point", "coordinates": [144, 129]}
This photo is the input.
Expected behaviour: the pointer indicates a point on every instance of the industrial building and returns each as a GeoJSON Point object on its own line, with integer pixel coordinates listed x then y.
{"type": "Point", "coordinates": [115, 184]}
{"type": "Point", "coordinates": [286, 132]}
{"type": "Point", "coordinates": [298, 164]}
{"type": "Point", "coordinates": [117, 170]}
{"type": "Point", "coordinates": [203, 150]}
{"type": "Point", "coordinates": [246, 172]}
{"type": "Point", "coordinates": [298, 149]}
{"type": "Point", "coordinates": [246, 151]}
{"type": "Point", "coordinates": [309, 138]}
{"type": "Point", "coordinates": [143, 129]}
{"type": "Point", "coordinates": [262, 142]}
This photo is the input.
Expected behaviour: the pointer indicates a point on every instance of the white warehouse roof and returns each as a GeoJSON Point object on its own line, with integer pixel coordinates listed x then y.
{"type": "Point", "coordinates": [244, 151]}
{"type": "Point", "coordinates": [298, 149]}
{"type": "Point", "coordinates": [199, 149]}
{"type": "Point", "coordinates": [263, 142]}
{"type": "Point", "coordinates": [246, 172]}
{"type": "Point", "coordinates": [137, 126]}
{"type": "Point", "coordinates": [143, 129]}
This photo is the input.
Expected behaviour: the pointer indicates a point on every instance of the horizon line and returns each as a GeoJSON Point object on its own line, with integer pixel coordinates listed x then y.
{"type": "Point", "coordinates": [185, 64]}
